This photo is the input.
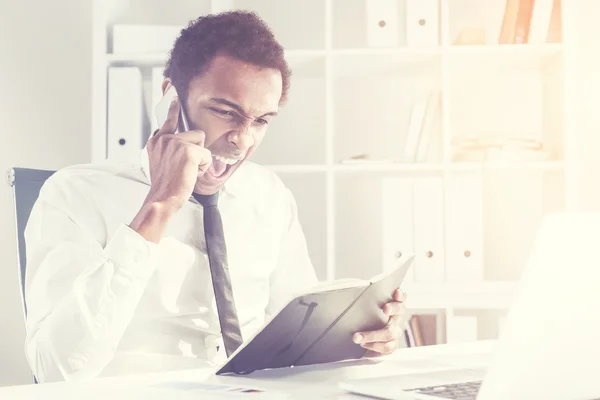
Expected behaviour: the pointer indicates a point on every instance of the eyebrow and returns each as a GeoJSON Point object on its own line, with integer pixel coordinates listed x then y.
{"type": "Point", "coordinates": [237, 107]}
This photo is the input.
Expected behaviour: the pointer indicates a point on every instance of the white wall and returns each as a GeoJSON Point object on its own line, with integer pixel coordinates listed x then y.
{"type": "Point", "coordinates": [45, 119]}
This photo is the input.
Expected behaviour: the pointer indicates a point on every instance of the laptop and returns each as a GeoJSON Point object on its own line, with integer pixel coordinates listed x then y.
{"type": "Point", "coordinates": [550, 346]}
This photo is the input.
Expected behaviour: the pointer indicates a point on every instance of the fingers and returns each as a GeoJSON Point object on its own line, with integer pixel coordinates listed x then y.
{"type": "Point", "coordinates": [202, 157]}
{"type": "Point", "coordinates": [399, 295]}
{"type": "Point", "coordinates": [170, 125]}
{"type": "Point", "coordinates": [382, 347]}
{"type": "Point", "coordinates": [205, 159]}
{"type": "Point", "coordinates": [385, 340]}
{"type": "Point", "coordinates": [389, 332]}
{"type": "Point", "coordinates": [394, 308]}
{"type": "Point", "coordinates": [196, 137]}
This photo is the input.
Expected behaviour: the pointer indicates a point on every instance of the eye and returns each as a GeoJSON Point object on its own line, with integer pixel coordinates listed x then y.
{"type": "Point", "coordinates": [223, 112]}
{"type": "Point", "coordinates": [262, 121]}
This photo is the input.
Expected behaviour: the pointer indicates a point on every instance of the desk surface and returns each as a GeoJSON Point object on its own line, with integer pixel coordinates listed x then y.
{"type": "Point", "coordinates": [298, 383]}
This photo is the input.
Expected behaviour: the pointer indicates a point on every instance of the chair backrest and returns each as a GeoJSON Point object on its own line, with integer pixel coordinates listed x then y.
{"type": "Point", "coordinates": [26, 184]}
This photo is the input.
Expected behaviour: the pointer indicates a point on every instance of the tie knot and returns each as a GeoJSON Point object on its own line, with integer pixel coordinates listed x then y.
{"type": "Point", "coordinates": [207, 200]}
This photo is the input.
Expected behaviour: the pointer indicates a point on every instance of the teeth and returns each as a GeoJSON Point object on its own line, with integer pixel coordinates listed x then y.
{"type": "Point", "coordinates": [228, 161]}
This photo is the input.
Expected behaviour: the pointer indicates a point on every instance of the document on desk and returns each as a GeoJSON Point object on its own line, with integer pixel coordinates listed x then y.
{"type": "Point", "coordinates": [316, 327]}
{"type": "Point", "coordinates": [218, 391]}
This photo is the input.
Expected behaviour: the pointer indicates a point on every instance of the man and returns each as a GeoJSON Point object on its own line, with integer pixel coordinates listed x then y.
{"type": "Point", "coordinates": [118, 278]}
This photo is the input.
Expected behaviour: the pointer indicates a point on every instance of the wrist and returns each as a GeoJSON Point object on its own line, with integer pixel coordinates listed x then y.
{"type": "Point", "coordinates": [153, 218]}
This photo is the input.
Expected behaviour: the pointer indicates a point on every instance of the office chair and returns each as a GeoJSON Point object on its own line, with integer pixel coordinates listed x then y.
{"type": "Point", "coordinates": [26, 184]}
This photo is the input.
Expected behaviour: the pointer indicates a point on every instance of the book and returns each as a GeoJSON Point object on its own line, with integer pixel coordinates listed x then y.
{"type": "Point", "coordinates": [464, 227]}
{"type": "Point", "coordinates": [555, 28]}
{"type": "Point", "coordinates": [540, 21]}
{"type": "Point", "coordinates": [416, 328]}
{"type": "Point", "coordinates": [422, 22]}
{"type": "Point", "coordinates": [415, 129]}
{"type": "Point", "coordinates": [523, 21]}
{"type": "Point", "coordinates": [421, 125]}
{"type": "Point", "coordinates": [124, 137]}
{"type": "Point", "coordinates": [428, 229]}
{"type": "Point", "coordinates": [409, 334]}
{"type": "Point", "coordinates": [316, 326]}
{"type": "Point", "coordinates": [397, 220]}
{"type": "Point", "coordinates": [509, 22]}
{"type": "Point", "coordinates": [425, 329]}
{"type": "Point", "coordinates": [427, 131]}
{"type": "Point", "coordinates": [531, 21]}
{"type": "Point", "coordinates": [382, 23]}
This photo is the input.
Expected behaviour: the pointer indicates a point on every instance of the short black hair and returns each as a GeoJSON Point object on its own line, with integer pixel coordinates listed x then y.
{"type": "Point", "coordinates": [242, 35]}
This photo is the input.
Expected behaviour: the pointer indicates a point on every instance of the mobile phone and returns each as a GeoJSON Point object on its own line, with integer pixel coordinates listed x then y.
{"type": "Point", "coordinates": [162, 110]}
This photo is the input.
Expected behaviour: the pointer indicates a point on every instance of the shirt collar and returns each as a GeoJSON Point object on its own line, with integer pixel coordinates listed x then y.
{"type": "Point", "coordinates": [230, 187]}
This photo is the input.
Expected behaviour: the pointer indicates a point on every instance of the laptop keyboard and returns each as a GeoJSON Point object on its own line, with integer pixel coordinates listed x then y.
{"type": "Point", "coordinates": [457, 391]}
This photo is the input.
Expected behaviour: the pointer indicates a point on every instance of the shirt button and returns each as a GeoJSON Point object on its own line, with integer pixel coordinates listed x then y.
{"type": "Point", "coordinates": [210, 340]}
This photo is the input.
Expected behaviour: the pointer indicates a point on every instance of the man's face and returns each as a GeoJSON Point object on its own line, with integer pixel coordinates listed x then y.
{"type": "Point", "coordinates": [232, 102]}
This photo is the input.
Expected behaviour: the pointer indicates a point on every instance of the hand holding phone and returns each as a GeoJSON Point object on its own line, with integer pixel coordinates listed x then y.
{"type": "Point", "coordinates": [176, 159]}
{"type": "Point", "coordinates": [162, 111]}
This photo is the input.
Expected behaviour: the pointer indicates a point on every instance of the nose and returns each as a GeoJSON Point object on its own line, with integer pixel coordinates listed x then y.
{"type": "Point", "coordinates": [242, 137]}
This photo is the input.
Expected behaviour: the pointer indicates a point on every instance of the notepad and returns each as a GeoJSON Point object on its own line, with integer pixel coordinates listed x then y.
{"type": "Point", "coordinates": [316, 326]}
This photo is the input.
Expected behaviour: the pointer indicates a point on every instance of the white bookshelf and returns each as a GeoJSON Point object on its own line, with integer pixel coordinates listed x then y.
{"type": "Point", "coordinates": [347, 98]}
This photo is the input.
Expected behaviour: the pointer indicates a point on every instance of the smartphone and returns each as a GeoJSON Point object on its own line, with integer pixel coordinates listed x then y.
{"type": "Point", "coordinates": [162, 110]}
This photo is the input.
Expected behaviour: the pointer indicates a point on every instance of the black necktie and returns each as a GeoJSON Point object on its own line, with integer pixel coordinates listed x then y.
{"type": "Point", "coordinates": [219, 270]}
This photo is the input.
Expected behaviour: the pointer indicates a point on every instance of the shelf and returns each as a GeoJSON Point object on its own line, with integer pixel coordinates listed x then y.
{"type": "Point", "coordinates": [467, 166]}
{"type": "Point", "coordinates": [348, 98]}
{"type": "Point", "coordinates": [151, 12]}
{"type": "Point", "coordinates": [375, 95]}
{"type": "Point", "coordinates": [403, 64]}
{"type": "Point", "coordinates": [424, 167]}
{"type": "Point", "coordinates": [386, 61]}
{"type": "Point", "coordinates": [289, 20]}
{"type": "Point", "coordinates": [513, 165]}
{"type": "Point", "coordinates": [129, 59]}
{"type": "Point", "coordinates": [156, 59]}
{"type": "Point", "coordinates": [476, 295]}
{"type": "Point", "coordinates": [502, 57]}
{"type": "Point", "coordinates": [305, 53]}
{"type": "Point", "coordinates": [419, 167]}
{"type": "Point", "coordinates": [536, 50]}
{"type": "Point", "coordinates": [503, 50]}
{"type": "Point", "coordinates": [296, 168]}
{"type": "Point", "coordinates": [388, 167]}
{"type": "Point", "coordinates": [408, 52]}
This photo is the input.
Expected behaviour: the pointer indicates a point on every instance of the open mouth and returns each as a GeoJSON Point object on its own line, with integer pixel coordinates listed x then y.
{"type": "Point", "coordinates": [220, 165]}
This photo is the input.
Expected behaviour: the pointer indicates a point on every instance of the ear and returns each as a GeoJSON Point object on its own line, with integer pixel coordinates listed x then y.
{"type": "Point", "coordinates": [166, 85]}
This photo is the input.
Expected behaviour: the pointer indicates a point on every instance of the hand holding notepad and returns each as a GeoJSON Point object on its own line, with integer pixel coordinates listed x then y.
{"type": "Point", "coordinates": [317, 326]}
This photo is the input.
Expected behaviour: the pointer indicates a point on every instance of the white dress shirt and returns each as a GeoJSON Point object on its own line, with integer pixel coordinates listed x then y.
{"type": "Point", "coordinates": [103, 301]}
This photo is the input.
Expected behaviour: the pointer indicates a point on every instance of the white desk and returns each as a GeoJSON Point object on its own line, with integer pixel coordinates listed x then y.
{"type": "Point", "coordinates": [315, 382]}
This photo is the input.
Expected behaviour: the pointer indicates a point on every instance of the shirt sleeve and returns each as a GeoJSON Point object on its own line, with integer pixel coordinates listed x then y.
{"type": "Point", "coordinates": [294, 270]}
{"type": "Point", "coordinates": [80, 295]}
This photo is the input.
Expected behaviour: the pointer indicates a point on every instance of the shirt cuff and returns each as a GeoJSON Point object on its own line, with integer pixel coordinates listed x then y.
{"type": "Point", "coordinates": [132, 253]}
